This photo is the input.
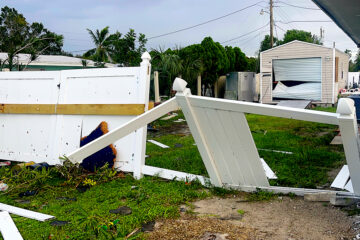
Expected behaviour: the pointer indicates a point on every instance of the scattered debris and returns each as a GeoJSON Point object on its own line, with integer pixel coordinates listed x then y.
{"type": "Point", "coordinates": [104, 156]}
{"type": "Point", "coordinates": [8, 228]}
{"type": "Point", "coordinates": [6, 163]}
{"type": "Point", "coordinates": [152, 128]}
{"type": "Point", "coordinates": [21, 201]}
{"type": "Point", "coordinates": [178, 145]}
{"type": "Point", "coordinates": [22, 165]}
{"type": "Point", "coordinates": [269, 173]}
{"type": "Point", "coordinates": [269, 150]}
{"type": "Point", "coordinates": [67, 199]}
{"type": "Point", "coordinates": [3, 187]}
{"type": "Point", "coordinates": [342, 180]}
{"type": "Point", "coordinates": [214, 236]}
{"type": "Point", "coordinates": [39, 166]}
{"type": "Point", "coordinates": [158, 143]}
{"type": "Point", "coordinates": [148, 227]}
{"type": "Point", "coordinates": [28, 193]}
{"type": "Point", "coordinates": [337, 140]}
{"type": "Point", "coordinates": [179, 120]}
{"type": "Point", "coordinates": [58, 223]}
{"type": "Point", "coordinates": [170, 116]}
{"type": "Point", "coordinates": [124, 210]}
{"type": "Point", "coordinates": [82, 189]}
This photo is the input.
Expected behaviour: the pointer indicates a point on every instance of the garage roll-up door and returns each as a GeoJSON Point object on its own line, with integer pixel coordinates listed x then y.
{"type": "Point", "coordinates": [299, 69]}
{"type": "Point", "coordinates": [305, 75]}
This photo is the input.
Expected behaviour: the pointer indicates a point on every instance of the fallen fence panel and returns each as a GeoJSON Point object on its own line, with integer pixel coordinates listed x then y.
{"type": "Point", "coordinates": [8, 228]}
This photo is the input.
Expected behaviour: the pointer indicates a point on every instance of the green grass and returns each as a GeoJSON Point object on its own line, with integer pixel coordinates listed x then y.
{"type": "Point", "coordinates": [152, 198]}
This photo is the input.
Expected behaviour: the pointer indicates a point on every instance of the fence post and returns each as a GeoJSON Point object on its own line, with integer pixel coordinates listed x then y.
{"type": "Point", "coordinates": [139, 160]}
{"type": "Point", "coordinates": [156, 86]}
{"type": "Point", "coordinates": [199, 85]}
{"type": "Point", "coordinates": [350, 137]}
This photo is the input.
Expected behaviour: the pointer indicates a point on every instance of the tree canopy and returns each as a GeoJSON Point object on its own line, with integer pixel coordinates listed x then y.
{"type": "Point", "coordinates": [289, 36]}
{"type": "Point", "coordinates": [19, 36]}
{"type": "Point", "coordinates": [208, 58]}
{"type": "Point", "coordinates": [115, 48]}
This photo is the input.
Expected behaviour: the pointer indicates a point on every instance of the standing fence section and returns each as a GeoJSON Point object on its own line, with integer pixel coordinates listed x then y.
{"type": "Point", "coordinates": [43, 115]}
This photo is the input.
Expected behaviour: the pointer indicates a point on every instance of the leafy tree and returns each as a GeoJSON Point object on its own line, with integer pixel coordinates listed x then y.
{"type": "Point", "coordinates": [18, 36]}
{"type": "Point", "coordinates": [253, 64]}
{"type": "Point", "coordinates": [116, 48]}
{"type": "Point", "coordinates": [215, 60]}
{"type": "Point", "coordinates": [289, 36]}
{"type": "Point", "coordinates": [300, 35]}
{"type": "Point", "coordinates": [241, 63]}
{"type": "Point", "coordinates": [230, 53]}
{"type": "Point", "coordinates": [266, 43]}
{"type": "Point", "coordinates": [126, 51]}
{"type": "Point", "coordinates": [103, 47]}
{"type": "Point", "coordinates": [356, 65]}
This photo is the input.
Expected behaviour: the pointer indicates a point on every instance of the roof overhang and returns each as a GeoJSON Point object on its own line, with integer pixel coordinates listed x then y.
{"type": "Point", "coordinates": [345, 13]}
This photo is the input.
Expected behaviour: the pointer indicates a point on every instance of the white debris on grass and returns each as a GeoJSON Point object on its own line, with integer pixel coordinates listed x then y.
{"type": "Point", "coordinates": [158, 144]}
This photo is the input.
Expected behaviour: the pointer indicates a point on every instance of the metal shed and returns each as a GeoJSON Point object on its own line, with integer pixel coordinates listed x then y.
{"type": "Point", "coordinates": [301, 70]}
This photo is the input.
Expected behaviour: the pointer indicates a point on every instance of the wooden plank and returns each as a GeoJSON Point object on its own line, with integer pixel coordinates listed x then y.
{"type": "Point", "coordinates": [134, 124]}
{"type": "Point", "coordinates": [170, 174]}
{"type": "Point", "coordinates": [25, 213]}
{"type": "Point", "coordinates": [100, 109]}
{"type": "Point", "coordinates": [8, 228]}
{"type": "Point", "coordinates": [158, 144]}
{"type": "Point", "coordinates": [73, 109]}
{"type": "Point", "coordinates": [27, 108]}
{"type": "Point", "coordinates": [263, 109]}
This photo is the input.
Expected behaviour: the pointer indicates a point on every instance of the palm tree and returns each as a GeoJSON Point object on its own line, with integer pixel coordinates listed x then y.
{"type": "Point", "coordinates": [103, 46]}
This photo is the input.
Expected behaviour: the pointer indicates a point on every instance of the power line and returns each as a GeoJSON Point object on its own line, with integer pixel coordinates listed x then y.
{"type": "Point", "coordinates": [308, 8]}
{"type": "Point", "coordinates": [304, 21]}
{"type": "Point", "coordinates": [245, 34]}
{"type": "Point", "coordinates": [206, 22]}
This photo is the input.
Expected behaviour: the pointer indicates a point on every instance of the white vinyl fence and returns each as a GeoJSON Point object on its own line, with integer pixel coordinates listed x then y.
{"type": "Point", "coordinates": [224, 140]}
{"type": "Point", "coordinates": [43, 115]}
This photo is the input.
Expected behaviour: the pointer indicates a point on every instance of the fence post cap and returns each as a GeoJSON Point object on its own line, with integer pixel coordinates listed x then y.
{"type": "Point", "coordinates": [145, 56]}
{"type": "Point", "coordinates": [179, 85]}
{"type": "Point", "coordinates": [345, 106]}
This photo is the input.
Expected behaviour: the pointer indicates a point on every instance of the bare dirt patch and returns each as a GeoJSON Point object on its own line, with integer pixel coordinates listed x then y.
{"type": "Point", "coordinates": [283, 218]}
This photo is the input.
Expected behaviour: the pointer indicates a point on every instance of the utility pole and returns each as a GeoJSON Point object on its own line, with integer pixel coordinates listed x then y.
{"type": "Point", "coordinates": [271, 24]}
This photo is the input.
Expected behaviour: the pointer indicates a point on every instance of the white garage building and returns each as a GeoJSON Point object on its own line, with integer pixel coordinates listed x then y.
{"type": "Point", "coordinates": [300, 70]}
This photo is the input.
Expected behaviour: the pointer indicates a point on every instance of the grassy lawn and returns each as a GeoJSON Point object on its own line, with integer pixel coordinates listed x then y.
{"type": "Point", "coordinates": [152, 198]}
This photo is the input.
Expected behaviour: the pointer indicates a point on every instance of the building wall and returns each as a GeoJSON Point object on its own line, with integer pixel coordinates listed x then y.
{"type": "Point", "coordinates": [297, 49]}
{"type": "Point", "coordinates": [343, 71]}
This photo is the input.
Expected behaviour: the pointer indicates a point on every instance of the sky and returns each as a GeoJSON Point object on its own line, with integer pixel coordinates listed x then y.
{"type": "Point", "coordinates": [156, 17]}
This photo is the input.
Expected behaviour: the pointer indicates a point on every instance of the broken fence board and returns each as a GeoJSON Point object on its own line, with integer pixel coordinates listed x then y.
{"type": "Point", "coordinates": [269, 173]}
{"type": "Point", "coordinates": [125, 129]}
{"type": "Point", "coordinates": [349, 186]}
{"type": "Point", "coordinates": [8, 228]}
{"type": "Point", "coordinates": [171, 174]}
{"type": "Point", "coordinates": [158, 144]}
{"type": "Point", "coordinates": [342, 178]}
{"type": "Point", "coordinates": [25, 213]}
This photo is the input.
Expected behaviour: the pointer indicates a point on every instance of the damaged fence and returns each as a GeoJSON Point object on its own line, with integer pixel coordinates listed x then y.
{"type": "Point", "coordinates": [224, 140]}
{"type": "Point", "coordinates": [45, 114]}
